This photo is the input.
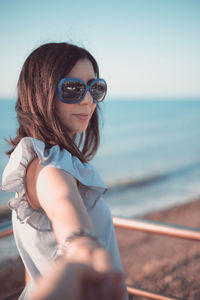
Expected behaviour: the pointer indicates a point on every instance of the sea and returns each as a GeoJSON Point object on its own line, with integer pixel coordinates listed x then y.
{"type": "Point", "coordinates": [149, 156]}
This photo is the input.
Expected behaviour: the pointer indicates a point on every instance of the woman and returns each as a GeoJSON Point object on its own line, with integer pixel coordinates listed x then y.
{"type": "Point", "coordinates": [58, 209]}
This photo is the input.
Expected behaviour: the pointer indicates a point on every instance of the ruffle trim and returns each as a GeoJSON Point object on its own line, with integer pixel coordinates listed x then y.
{"type": "Point", "coordinates": [26, 214]}
{"type": "Point", "coordinates": [90, 184]}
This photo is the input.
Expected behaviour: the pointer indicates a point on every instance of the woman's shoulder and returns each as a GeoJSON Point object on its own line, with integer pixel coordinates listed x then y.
{"type": "Point", "coordinates": [90, 184]}
{"type": "Point", "coordinates": [30, 148]}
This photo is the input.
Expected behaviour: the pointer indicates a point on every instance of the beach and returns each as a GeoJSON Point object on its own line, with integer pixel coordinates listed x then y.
{"type": "Point", "coordinates": [165, 265]}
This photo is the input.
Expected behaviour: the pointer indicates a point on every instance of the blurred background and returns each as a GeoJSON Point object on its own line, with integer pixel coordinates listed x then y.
{"type": "Point", "coordinates": [149, 53]}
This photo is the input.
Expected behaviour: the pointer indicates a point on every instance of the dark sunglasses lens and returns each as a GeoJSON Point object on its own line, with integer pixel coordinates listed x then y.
{"type": "Point", "coordinates": [72, 91]}
{"type": "Point", "coordinates": [98, 90]}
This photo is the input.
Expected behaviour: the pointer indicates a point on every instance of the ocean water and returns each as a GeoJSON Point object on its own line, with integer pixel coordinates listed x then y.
{"type": "Point", "coordinates": [149, 154]}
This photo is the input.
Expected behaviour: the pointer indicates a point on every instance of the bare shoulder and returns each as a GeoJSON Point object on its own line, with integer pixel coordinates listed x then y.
{"type": "Point", "coordinates": [47, 181]}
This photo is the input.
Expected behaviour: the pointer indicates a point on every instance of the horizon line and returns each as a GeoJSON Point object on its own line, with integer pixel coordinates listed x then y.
{"type": "Point", "coordinates": [131, 98]}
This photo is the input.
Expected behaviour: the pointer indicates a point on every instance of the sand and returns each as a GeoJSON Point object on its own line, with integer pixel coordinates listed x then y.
{"type": "Point", "coordinates": [165, 265]}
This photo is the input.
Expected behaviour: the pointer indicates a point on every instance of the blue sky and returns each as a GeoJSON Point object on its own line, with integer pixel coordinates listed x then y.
{"type": "Point", "coordinates": [145, 48]}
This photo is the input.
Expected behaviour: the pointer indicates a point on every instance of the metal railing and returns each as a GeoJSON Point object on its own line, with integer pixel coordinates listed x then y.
{"type": "Point", "coordinates": [6, 233]}
{"type": "Point", "coordinates": [160, 228]}
{"type": "Point", "coordinates": [172, 230]}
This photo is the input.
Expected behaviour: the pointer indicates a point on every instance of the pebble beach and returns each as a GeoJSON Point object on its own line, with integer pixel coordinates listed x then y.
{"type": "Point", "coordinates": [164, 265]}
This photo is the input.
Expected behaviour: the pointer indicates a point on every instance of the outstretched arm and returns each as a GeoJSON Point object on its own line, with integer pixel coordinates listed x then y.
{"type": "Point", "coordinates": [56, 192]}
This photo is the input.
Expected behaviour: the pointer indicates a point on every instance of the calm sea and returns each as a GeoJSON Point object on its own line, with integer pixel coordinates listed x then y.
{"type": "Point", "coordinates": [149, 154]}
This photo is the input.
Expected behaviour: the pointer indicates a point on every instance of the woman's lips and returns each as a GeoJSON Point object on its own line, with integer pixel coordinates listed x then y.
{"type": "Point", "coordinates": [82, 116]}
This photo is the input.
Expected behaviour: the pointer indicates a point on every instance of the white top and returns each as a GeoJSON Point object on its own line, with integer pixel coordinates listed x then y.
{"type": "Point", "coordinates": [32, 229]}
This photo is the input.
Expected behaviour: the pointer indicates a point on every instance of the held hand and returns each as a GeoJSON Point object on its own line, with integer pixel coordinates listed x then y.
{"type": "Point", "coordinates": [103, 282]}
{"type": "Point", "coordinates": [78, 281]}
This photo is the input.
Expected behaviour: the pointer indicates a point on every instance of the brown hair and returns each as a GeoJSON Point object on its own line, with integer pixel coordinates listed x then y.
{"type": "Point", "coordinates": [36, 110]}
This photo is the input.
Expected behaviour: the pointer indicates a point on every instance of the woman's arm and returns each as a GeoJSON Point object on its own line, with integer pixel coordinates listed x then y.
{"type": "Point", "coordinates": [58, 195]}
{"type": "Point", "coordinates": [56, 192]}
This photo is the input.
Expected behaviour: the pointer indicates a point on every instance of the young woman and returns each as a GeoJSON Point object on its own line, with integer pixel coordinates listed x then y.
{"type": "Point", "coordinates": [58, 209]}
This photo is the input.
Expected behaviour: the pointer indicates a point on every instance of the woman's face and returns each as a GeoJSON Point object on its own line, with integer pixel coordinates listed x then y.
{"type": "Point", "coordinates": [77, 116]}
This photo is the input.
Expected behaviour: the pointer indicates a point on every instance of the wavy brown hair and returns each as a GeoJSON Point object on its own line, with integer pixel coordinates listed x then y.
{"type": "Point", "coordinates": [36, 106]}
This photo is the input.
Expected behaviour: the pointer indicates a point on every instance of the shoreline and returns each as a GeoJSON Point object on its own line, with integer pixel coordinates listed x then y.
{"type": "Point", "coordinates": [165, 265]}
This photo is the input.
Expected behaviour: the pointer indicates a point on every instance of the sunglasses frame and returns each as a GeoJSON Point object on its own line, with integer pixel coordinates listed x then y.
{"type": "Point", "coordinates": [87, 88]}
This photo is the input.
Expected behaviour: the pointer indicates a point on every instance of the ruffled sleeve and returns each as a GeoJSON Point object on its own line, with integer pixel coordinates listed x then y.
{"type": "Point", "coordinates": [90, 184]}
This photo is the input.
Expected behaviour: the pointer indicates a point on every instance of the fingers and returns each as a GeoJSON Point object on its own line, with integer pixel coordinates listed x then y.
{"type": "Point", "coordinates": [111, 286]}
{"type": "Point", "coordinates": [76, 281]}
{"type": "Point", "coordinates": [94, 276]}
{"type": "Point", "coordinates": [101, 260]}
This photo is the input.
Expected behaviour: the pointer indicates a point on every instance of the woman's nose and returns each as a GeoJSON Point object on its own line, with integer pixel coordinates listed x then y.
{"type": "Point", "coordinates": [87, 99]}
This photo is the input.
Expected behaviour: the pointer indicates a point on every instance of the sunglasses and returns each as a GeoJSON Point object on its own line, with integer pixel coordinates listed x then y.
{"type": "Point", "coordinates": [73, 90]}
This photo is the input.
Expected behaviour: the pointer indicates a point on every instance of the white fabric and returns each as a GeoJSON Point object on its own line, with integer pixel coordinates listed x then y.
{"type": "Point", "coordinates": [32, 228]}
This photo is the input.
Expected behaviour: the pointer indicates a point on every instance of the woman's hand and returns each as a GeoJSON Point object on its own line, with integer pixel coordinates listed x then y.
{"type": "Point", "coordinates": [89, 252]}
{"type": "Point", "coordinates": [72, 280]}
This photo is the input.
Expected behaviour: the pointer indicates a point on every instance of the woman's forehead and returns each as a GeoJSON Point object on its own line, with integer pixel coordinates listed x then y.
{"type": "Point", "coordinates": [83, 69]}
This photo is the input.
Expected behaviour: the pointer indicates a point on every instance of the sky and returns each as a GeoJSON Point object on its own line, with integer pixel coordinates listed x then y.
{"type": "Point", "coordinates": [145, 48]}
